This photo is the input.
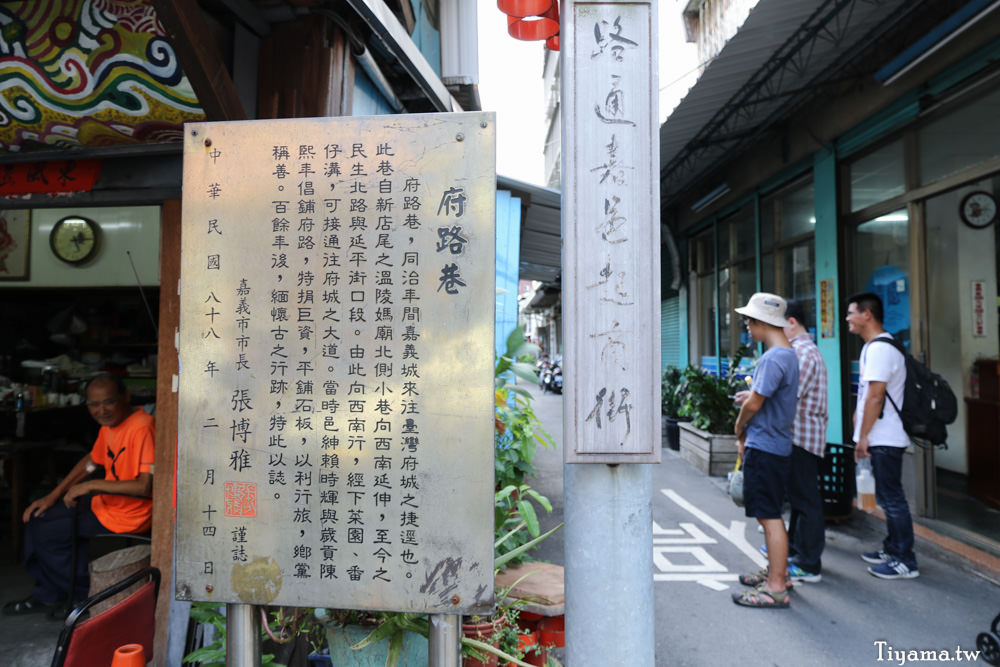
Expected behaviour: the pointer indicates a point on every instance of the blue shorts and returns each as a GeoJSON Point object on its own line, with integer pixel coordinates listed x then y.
{"type": "Point", "coordinates": [765, 478]}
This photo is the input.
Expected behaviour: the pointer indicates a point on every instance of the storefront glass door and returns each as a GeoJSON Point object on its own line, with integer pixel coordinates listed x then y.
{"type": "Point", "coordinates": [880, 251]}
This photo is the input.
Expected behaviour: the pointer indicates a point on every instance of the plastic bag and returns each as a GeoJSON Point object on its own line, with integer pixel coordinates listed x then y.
{"type": "Point", "coordinates": [736, 484]}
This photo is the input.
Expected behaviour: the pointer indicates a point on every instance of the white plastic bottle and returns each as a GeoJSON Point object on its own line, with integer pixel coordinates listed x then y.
{"type": "Point", "coordinates": [865, 482]}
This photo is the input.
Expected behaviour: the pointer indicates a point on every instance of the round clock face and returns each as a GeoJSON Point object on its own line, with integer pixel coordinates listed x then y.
{"type": "Point", "coordinates": [978, 209]}
{"type": "Point", "coordinates": [74, 239]}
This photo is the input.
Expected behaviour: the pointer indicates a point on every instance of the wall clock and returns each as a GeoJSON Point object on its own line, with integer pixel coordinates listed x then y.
{"type": "Point", "coordinates": [978, 209]}
{"type": "Point", "coordinates": [74, 239]}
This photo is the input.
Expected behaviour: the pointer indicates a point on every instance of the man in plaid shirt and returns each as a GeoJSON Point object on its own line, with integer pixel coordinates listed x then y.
{"type": "Point", "coordinates": [806, 536]}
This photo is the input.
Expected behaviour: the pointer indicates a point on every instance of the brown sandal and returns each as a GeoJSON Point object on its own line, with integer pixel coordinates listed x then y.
{"type": "Point", "coordinates": [755, 579]}
{"type": "Point", "coordinates": [761, 597]}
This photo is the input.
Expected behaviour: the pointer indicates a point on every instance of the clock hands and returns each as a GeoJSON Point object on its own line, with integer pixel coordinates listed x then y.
{"type": "Point", "coordinates": [79, 238]}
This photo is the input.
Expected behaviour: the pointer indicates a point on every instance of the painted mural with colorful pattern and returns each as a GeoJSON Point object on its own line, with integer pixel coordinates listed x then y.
{"type": "Point", "coordinates": [90, 73]}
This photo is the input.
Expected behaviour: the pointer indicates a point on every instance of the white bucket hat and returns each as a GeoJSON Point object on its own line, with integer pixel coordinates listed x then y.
{"type": "Point", "coordinates": [766, 307]}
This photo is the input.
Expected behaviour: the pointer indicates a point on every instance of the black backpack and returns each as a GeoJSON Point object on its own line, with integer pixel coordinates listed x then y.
{"type": "Point", "coordinates": [929, 404]}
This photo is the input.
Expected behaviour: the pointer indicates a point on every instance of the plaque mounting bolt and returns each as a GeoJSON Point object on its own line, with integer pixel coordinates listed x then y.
{"type": "Point", "coordinates": [483, 124]}
{"type": "Point", "coordinates": [209, 588]}
{"type": "Point", "coordinates": [459, 137]}
{"type": "Point", "coordinates": [208, 142]}
{"type": "Point", "coordinates": [455, 599]}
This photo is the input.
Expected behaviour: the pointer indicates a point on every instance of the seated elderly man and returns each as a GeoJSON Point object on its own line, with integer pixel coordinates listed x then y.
{"type": "Point", "coordinates": [124, 446]}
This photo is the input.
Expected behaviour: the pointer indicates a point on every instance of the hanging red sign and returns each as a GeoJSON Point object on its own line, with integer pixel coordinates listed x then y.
{"type": "Point", "coordinates": [47, 177]}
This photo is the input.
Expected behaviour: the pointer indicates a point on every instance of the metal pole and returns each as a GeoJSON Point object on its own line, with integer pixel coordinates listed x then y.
{"type": "Point", "coordinates": [444, 647]}
{"type": "Point", "coordinates": [609, 565]}
{"type": "Point", "coordinates": [929, 478]}
{"type": "Point", "coordinates": [611, 301]}
{"type": "Point", "coordinates": [242, 635]}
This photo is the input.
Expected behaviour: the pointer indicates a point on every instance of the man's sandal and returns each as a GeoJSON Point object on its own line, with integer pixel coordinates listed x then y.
{"type": "Point", "coordinates": [29, 605]}
{"type": "Point", "coordinates": [761, 597]}
{"type": "Point", "coordinates": [755, 579]}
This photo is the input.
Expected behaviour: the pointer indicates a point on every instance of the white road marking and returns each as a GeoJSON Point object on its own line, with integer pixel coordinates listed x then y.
{"type": "Point", "coordinates": [701, 567]}
{"type": "Point", "coordinates": [736, 533]}
{"type": "Point", "coordinates": [713, 581]}
{"type": "Point", "coordinates": [673, 535]}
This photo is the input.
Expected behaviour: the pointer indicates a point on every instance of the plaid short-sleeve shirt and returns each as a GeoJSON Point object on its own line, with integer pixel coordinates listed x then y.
{"type": "Point", "coordinates": [811, 412]}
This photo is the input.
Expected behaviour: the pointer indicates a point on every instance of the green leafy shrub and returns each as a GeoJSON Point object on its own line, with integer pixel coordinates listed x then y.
{"type": "Point", "coordinates": [517, 434]}
{"type": "Point", "coordinates": [708, 399]}
{"type": "Point", "coordinates": [671, 398]}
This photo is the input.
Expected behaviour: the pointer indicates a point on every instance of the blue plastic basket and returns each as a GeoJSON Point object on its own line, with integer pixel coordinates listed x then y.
{"type": "Point", "coordinates": [320, 660]}
{"type": "Point", "coordinates": [836, 481]}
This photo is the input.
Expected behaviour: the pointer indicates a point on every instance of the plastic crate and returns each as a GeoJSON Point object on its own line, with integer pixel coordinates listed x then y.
{"type": "Point", "coordinates": [320, 659]}
{"type": "Point", "coordinates": [836, 481]}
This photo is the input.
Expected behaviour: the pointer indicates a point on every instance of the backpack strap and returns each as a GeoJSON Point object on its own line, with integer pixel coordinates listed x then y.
{"type": "Point", "coordinates": [899, 346]}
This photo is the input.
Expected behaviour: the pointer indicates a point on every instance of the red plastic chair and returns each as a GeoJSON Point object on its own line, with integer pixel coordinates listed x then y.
{"type": "Point", "coordinates": [90, 642]}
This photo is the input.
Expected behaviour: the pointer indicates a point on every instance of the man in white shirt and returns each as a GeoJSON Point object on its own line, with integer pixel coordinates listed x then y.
{"type": "Point", "coordinates": [879, 434]}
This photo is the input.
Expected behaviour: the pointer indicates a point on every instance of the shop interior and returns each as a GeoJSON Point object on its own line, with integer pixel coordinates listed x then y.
{"type": "Point", "coordinates": [51, 340]}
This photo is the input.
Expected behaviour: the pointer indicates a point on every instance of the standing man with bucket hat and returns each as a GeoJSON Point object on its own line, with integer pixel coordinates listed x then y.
{"type": "Point", "coordinates": [764, 436]}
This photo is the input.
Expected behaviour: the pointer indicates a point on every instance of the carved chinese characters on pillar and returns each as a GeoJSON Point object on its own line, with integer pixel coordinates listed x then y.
{"type": "Point", "coordinates": [612, 209]}
{"type": "Point", "coordinates": [333, 275]}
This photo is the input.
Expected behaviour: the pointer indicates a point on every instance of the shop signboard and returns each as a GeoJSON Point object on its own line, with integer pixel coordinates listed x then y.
{"type": "Point", "coordinates": [336, 363]}
{"type": "Point", "coordinates": [827, 308]}
{"type": "Point", "coordinates": [978, 308]}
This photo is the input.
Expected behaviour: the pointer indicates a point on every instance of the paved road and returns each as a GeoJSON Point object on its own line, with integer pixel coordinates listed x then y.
{"type": "Point", "coordinates": [702, 542]}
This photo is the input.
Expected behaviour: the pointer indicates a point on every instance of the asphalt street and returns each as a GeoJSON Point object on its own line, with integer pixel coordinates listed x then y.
{"type": "Point", "coordinates": [702, 542]}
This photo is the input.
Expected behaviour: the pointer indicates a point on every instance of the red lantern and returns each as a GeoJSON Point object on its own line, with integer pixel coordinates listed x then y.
{"type": "Point", "coordinates": [522, 8]}
{"type": "Point", "coordinates": [530, 20]}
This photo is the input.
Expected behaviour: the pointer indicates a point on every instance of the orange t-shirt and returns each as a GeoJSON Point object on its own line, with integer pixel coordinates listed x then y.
{"type": "Point", "coordinates": [125, 451]}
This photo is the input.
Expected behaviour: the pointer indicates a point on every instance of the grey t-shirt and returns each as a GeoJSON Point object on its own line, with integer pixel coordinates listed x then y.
{"type": "Point", "coordinates": [777, 379]}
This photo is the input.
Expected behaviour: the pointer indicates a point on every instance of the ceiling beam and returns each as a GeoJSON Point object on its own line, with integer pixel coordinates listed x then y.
{"type": "Point", "coordinates": [195, 47]}
{"type": "Point", "coordinates": [384, 24]}
{"type": "Point", "coordinates": [247, 14]}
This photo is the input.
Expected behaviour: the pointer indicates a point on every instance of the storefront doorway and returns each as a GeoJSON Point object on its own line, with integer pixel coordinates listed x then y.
{"type": "Point", "coordinates": [938, 280]}
{"type": "Point", "coordinates": [963, 337]}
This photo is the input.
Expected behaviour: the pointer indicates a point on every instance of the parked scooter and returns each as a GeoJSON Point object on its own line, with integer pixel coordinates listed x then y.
{"type": "Point", "coordinates": [557, 378]}
{"type": "Point", "coordinates": [550, 377]}
{"type": "Point", "coordinates": [544, 375]}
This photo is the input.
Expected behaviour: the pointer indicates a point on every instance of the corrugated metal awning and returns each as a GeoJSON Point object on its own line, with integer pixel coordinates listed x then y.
{"type": "Point", "coordinates": [541, 230]}
{"type": "Point", "coordinates": [775, 61]}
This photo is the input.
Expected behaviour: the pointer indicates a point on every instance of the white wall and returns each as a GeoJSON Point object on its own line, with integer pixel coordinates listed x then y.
{"type": "Point", "coordinates": [134, 229]}
{"type": "Point", "coordinates": [957, 255]}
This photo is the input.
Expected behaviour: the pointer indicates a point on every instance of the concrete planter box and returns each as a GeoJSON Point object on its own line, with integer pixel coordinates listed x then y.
{"type": "Point", "coordinates": [713, 454]}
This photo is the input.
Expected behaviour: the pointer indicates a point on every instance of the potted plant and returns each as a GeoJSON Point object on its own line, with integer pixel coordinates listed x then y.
{"type": "Point", "coordinates": [488, 639]}
{"type": "Point", "coordinates": [707, 441]}
{"type": "Point", "coordinates": [671, 399]}
{"type": "Point", "coordinates": [517, 529]}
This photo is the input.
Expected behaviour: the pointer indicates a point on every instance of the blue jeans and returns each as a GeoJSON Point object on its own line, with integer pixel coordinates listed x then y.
{"type": "Point", "coordinates": [887, 466]}
{"type": "Point", "coordinates": [48, 550]}
{"type": "Point", "coordinates": [806, 527]}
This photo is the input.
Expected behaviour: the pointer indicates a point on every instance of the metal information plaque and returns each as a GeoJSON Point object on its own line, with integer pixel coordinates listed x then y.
{"type": "Point", "coordinates": [336, 347]}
